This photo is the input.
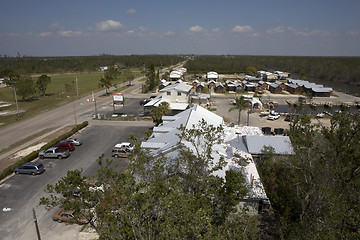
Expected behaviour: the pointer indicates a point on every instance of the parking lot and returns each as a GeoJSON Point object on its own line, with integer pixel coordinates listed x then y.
{"type": "Point", "coordinates": [22, 193]}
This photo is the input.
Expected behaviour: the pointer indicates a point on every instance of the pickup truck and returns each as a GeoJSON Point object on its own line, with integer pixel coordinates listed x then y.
{"type": "Point", "coordinates": [54, 152]}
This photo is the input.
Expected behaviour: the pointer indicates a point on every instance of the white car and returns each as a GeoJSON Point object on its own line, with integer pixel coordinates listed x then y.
{"type": "Point", "coordinates": [126, 145]}
{"type": "Point", "coordinates": [273, 117]}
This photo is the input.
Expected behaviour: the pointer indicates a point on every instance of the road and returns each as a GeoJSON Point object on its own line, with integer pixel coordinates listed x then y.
{"type": "Point", "coordinates": [22, 192]}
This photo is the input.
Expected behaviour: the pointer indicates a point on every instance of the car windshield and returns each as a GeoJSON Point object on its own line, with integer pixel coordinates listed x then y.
{"type": "Point", "coordinates": [40, 165]}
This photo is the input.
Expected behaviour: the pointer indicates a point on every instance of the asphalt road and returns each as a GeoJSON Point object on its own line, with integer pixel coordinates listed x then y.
{"type": "Point", "coordinates": [22, 192]}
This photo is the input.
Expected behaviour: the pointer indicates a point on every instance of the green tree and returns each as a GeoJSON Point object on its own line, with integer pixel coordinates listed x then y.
{"type": "Point", "coordinates": [240, 104]}
{"type": "Point", "coordinates": [150, 77]}
{"type": "Point", "coordinates": [158, 112]}
{"type": "Point", "coordinates": [161, 198]}
{"type": "Point", "coordinates": [314, 192]}
{"type": "Point", "coordinates": [106, 82]}
{"type": "Point", "coordinates": [25, 87]}
{"type": "Point", "coordinates": [42, 83]}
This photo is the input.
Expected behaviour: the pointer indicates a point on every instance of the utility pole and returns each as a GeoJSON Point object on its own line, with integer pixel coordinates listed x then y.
{"type": "Point", "coordinates": [77, 87]}
{"type": "Point", "coordinates": [36, 225]}
{"type": "Point", "coordinates": [17, 106]}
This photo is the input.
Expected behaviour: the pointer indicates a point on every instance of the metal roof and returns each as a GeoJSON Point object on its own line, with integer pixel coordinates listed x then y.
{"type": "Point", "coordinates": [180, 87]}
{"type": "Point", "coordinates": [280, 144]}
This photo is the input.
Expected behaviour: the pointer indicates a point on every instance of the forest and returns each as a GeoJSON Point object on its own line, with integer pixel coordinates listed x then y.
{"type": "Point", "coordinates": [32, 65]}
{"type": "Point", "coordinates": [334, 69]}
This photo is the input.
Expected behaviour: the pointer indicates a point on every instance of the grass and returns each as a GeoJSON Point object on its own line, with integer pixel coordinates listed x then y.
{"type": "Point", "coordinates": [56, 94]}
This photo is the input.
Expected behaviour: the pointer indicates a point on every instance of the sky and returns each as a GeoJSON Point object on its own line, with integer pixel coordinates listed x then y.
{"type": "Point", "coordinates": [212, 27]}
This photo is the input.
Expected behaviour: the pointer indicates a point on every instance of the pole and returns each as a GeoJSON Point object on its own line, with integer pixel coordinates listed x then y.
{"type": "Point", "coordinates": [36, 225]}
{"type": "Point", "coordinates": [77, 88]}
{"type": "Point", "coordinates": [75, 114]}
{"type": "Point", "coordinates": [16, 101]}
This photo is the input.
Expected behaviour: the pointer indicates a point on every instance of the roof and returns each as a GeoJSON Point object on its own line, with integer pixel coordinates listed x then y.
{"type": "Point", "coordinates": [281, 144]}
{"type": "Point", "coordinates": [323, 90]}
{"type": "Point", "coordinates": [212, 75]}
{"type": "Point", "coordinates": [180, 87]}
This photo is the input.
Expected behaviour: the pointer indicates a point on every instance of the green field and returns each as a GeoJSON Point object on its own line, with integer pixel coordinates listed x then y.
{"type": "Point", "coordinates": [56, 94]}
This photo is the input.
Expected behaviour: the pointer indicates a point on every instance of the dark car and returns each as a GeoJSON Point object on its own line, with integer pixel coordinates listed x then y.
{"type": "Point", "coordinates": [144, 101]}
{"type": "Point", "coordinates": [66, 145]}
{"type": "Point", "coordinates": [288, 118]}
{"type": "Point", "coordinates": [32, 168]}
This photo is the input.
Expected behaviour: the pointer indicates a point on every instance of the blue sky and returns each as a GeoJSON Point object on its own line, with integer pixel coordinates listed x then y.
{"type": "Point", "coordinates": [257, 27]}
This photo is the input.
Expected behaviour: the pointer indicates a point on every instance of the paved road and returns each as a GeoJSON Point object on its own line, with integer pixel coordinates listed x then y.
{"type": "Point", "coordinates": [23, 192]}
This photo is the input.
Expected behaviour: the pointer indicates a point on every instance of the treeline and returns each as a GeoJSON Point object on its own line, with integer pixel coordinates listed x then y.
{"type": "Point", "coordinates": [334, 69]}
{"type": "Point", "coordinates": [30, 65]}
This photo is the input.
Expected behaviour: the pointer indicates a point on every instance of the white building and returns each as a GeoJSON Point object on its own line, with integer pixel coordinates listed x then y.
{"type": "Point", "coordinates": [237, 144]}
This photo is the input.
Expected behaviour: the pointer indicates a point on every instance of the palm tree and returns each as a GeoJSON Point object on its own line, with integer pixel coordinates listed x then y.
{"type": "Point", "coordinates": [158, 112]}
{"type": "Point", "coordinates": [240, 104]}
{"type": "Point", "coordinates": [106, 82]}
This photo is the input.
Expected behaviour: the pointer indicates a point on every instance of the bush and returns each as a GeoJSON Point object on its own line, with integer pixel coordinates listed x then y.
{"type": "Point", "coordinates": [33, 155]}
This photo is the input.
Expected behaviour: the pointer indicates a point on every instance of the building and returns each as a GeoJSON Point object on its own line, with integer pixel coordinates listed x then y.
{"type": "Point", "coordinates": [274, 88]}
{"type": "Point", "coordinates": [293, 88]}
{"type": "Point", "coordinates": [321, 92]}
{"type": "Point", "coordinates": [212, 84]}
{"type": "Point", "coordinates": [237, 143]}
{"type": "Point", "coordinates": [219, 87]}
{"type": "Point", "coordinates": [212, 76]}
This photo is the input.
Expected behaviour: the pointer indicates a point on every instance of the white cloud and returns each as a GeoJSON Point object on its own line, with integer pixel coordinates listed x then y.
{"type": "Point", "coordinates": [55, 26]}
{"type": "Point", "coordinates": [255, 34]}
{"type": "Point", "coordinates": [169, 34]}
{"type": "Point", "coordinates": [196, 29]}
{"type": "Point", "coordinates": [353, 33]}
{"type": "Point", "coordinates": [307, 33]}
{"type": "Point", "coordinates": [241, 29]}
{"type": "Point", "coordinates": [275, 30]}
{"type": "Point", "coordinates": [69, 33]}
{"type": "Point", "coordinates": [215, 30]}
{"type": "Point", "coordinates": [109, 25]}
{"type": "Point", "coordinates": [45, 34]}
{"type": "Point", "coordinates": [131, 11]}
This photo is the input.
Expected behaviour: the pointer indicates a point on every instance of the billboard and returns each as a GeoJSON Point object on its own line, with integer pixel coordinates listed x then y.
{"type": "Point", "coordinates": [118, 99]}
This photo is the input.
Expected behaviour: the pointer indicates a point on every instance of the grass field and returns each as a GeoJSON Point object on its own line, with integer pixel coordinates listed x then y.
{"type": "Point", "coordinates": [57, 93]}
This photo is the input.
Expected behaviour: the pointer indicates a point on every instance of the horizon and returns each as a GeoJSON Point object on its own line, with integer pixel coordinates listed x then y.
{"type": "Point", "coordinates": [250, 28]}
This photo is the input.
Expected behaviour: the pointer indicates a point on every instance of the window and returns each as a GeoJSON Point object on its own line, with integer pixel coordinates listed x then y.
{"type": "Point", "coordinates": [179, 93]}
{"type": "Point", "coordinates": [168, 93]}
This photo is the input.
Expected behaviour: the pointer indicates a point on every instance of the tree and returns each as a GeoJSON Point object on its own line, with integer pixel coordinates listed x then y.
{"type": "Point", "coordinates": [129, 76]}
{"type": "Point", "coordinates": [42, 83]}
{"type": "Point", "coordinates": [158, 112]}
{"type": "Point", "coordinates": [106, 82]}
{"type": "Point", "coordinates": [314, 192]}
{"type": "Point", "coordinates": [25, 87]}
{"type": "Point", "coordinates": [240, 104]}
{"type": "Point", "coordinates": [151, 77]}
{"type": "Point", "coordinates": [160, 197]}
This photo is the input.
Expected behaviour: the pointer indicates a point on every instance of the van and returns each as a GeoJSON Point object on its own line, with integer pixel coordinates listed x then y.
{"type": "Point", "coordinates": [32, 168]}
{"type": "Point", "coordinates": [120, 152]}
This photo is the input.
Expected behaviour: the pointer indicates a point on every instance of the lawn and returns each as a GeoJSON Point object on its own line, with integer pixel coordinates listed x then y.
{"type": "Point", "coordinates": [61, 89]}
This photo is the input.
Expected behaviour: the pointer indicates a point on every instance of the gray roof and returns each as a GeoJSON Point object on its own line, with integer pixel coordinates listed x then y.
{"type": "Point", "coordinates": [281, 144]}
{"type": "Point", "coordinates": [180, 87]}
{"type": "Point", "coordinates": [320, 89]}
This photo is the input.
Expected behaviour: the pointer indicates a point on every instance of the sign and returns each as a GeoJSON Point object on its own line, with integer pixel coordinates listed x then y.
{"type": "Point", "coordinates": [118, 99]}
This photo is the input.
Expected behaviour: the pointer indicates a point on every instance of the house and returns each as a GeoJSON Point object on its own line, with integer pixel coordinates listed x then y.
{"type": "Point", "coordinates": [200, 87]}
{"type": "Point", "coordinates": [200, 99]}
{"type": "Point", "coordinates": [270, 77]}
{"type": "Point", "coordinates": [163, 84]}
{"type": "Point", "coordinates": [262, 85]}
{"type": "Point", "coordinates": [219, 87]}
{"type": "Point", "coordinates": [212, 76]}
{"type": "Point", "coordinates": [321, 92]}
{"type": "Point", "coordinates": [177, 95]}
{"type": "Point", "coordinates": [282, 75]}
{"type": "Point", "coordinates": [250, 87]}
{"type": "Point", "coordinates": [176, 75]}
{"type": "Point", "coordinates": [274, 88]}
{"type": "Point", "coordinates": [212, 84]}
{"type": "Point", "coordinates": [281, 84]}
{"type": "Point", "coordinates": [195, 83]}
{"type": "Point", "coordinates": [293, 88]}
{"type": "Point", "coordinates": [252, 79]}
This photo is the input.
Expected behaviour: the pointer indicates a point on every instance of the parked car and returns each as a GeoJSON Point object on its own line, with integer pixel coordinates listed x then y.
{"type": "Point", "coordinates": [288, 118]}
{"type": "Point", "coordinates": [62, 215]}
{"type": "Point", "coordinates": [32, 168]}
{"type": "Point", "coordinates": [144, 101]}
{"type": "Point", "coordinates": [66, 146]}
{"type": "Point", "coordinates": [273, 116]}
{"type": "Point", "coordinates": [126, 145]}
{"type": "Point", "coordinates": [75, 141]}
{"type": "Point", "coordinates": [120, 152]}
{"type": "Point", "coordinates": [54, 152]}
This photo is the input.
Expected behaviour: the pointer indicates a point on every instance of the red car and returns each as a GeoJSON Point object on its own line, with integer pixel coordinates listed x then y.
{"type": "Point", "coordinates": [66, 145]}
